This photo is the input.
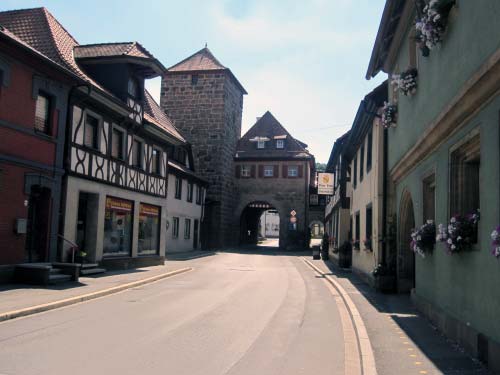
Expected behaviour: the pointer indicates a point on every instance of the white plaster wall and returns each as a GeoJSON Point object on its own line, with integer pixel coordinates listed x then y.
{"type": "Point", "coordinates": [369, 191]}
{"type": "Point", "coordinates": [76, 185]}
{"type": "Point", "coordinates": [182, 209]}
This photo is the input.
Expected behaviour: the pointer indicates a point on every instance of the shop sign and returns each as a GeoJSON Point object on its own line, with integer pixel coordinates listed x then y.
{"type": "Point", "coordinates": [325, 183]}
{"type": "Point", "coordinates": [118, 204]}
{"type": "Point", "coordinates": [149, 210]}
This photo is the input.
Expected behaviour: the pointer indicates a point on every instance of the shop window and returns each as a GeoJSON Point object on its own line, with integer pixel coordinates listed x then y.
{"type": "Point", "coordinates": [369, 150]}
{"type": "Point", "coordinates": [137, 153]}
{"type": "Point", "coordinates": [42, 113]}
{"type": "Point", "coordinates": [355, 172]}
{"type": "Point", "coordinates": [464, 177]}
{"type": "Point", "coordinates": [199, 194]}
{"type": "Point", "coordinates": [361, 162]}
{"type": "Point", "coordinates": [178, 188]}
{"type": "Point", "coordinates": [149, 229]}
{"type": "Point", "coordinates": [90, 132]}
{"type": "Point", "coordinates": [429, 197]}
{"type": "Point", "coordinates": [117, 141]}
{"type": "Point", "coordinates": [190, 192]}
{"type": "Point", "coordinates": [280, 143]}
{"type": "Point", "coordinates": [175, 227]}
{"type": "Point", "coordinates": [118, 227]}
{"type": "Point", "coordinates": [187, 229]}
{"type": "Point", "coordinates": [293, 171]}
{"type": "Point", "coordinates": [268, 170]}
{"type": "Point", "coordinates": [155, 162]}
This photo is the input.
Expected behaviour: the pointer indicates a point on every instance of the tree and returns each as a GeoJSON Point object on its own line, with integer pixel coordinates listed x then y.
{"type": "Point", "coordinates": [320, 167]}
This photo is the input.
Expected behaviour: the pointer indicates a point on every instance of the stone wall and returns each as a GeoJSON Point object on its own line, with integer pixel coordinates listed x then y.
{"type": "Point", "coordinates": [208, 113]}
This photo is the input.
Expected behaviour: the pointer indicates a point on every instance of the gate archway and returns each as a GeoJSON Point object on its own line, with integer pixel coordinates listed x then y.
{"type": "Point", "coordinates": [406, 256]}
{"type": "Point", "coordinates": [252, 226]}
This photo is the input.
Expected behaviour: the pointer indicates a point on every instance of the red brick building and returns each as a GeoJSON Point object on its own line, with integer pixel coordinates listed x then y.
{"type": "Point", "coordinates": [34, 92]}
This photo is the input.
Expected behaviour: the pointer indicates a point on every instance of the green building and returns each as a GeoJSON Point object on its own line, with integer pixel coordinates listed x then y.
{"type": "Point", "coordinates": [443, 60]}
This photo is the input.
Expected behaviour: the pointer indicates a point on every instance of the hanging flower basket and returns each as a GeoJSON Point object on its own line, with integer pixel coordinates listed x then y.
{"type": "Point", "coordinates": [389, 114]}
{"type": "Point", "coordinates": [355, 244]}
{"type": "Point", "coordinates": [495, 243]}
{"type": "Point", "coordinates": [460, 233]}
{"type": "Point", "coordinates": [423, 239]}
{"type": "Point", "coordinates": [406, 82]}
{"type": "Point", "coordinates": [431, 23]}
{"type": "Point", "coordinates": [368, 244]}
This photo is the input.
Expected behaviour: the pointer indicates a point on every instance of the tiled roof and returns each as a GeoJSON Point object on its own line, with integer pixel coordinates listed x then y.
{"type": "Point", "coordinates": [154, 115]}
{"type": "Point", "coordinates": [201, 60]}
{"type": "Point", "coordinates": [268, 127]}
{"type": "Point", "coordinates": [133, 49]}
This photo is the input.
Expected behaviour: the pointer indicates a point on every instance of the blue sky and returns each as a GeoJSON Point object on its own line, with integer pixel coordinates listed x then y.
{"type": "Point", "coordinates": [304, 61]}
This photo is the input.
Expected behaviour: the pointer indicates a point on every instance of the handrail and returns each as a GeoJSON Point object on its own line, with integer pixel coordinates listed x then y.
{"type": "Point", "coordinates": [74, 247]}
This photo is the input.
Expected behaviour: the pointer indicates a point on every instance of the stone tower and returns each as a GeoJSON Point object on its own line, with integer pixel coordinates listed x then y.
{"type": "Point", "coordinates": [205, 100]}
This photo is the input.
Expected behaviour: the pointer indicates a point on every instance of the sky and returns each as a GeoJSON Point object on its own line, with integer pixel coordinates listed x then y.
{"type": "Point", "coordinates": [304, 61]}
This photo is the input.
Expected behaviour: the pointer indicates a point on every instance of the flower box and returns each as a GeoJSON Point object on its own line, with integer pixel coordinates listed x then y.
{"type": "Point", "coordinates": [460, 234]}
{"type": "Point", "coordinates": [423, 239]}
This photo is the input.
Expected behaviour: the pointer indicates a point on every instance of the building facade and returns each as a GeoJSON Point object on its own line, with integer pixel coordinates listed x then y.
{"type": "Point", "coordinates": [443, 160]}
{"type": "Point", "coordinates": [273, 171]}
{"type": "Point", "coordinates": [34, 93]}
{"type": "Point", "coordinates": [205, 100]}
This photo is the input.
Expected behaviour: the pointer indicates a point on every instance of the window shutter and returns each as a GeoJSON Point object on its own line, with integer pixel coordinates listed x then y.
{"type": "Point", "coordinates": [238, 171]}
{"type": "Point", "coordinates": [252, 171]}
{"type": "Point", "coordinates": [285, 171]}
{"type": "Point", "coordinates": [261, 171]}
{"type": "Point", "coordinates": [301, 171]}
{"type": "Point", "coordinates": [276, 171]}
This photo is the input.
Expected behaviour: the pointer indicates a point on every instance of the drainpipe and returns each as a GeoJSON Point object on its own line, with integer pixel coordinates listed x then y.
{"type": "Point", "coordinates": [384, 196]}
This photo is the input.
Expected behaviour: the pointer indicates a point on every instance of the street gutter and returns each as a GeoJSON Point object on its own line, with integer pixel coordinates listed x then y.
{"type": "Point", "coordinates": [86, 297]}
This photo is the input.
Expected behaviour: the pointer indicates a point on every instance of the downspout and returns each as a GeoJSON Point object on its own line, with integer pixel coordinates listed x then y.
{"type": "Point", "coordinates": [384, 197]}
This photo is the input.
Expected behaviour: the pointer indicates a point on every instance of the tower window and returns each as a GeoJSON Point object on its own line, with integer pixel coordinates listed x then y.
{"type": "Point", "coordinates": [133, 88]}
{"type": "Point", "coordinates": [194, 79]}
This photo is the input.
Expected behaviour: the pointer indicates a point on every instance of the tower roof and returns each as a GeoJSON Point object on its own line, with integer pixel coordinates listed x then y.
{"type": "Point", "coordinates": [203, 61]}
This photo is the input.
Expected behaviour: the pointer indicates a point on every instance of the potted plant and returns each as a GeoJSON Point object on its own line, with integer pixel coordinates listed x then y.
{"type": "Point", "coordinates": [423, 239]}
{"type": "Point", "coordinates": [80, 256]}
{"type": "Point", "coordinates": [406, 81]}
{"type": "Point", "coordinates": [431, 22]}
{"type": "Point", "coordinates": [385, 280]}
{"type": "Point", "coordinates": [460, 233]}
{"type": "Point", "coordinates": [495, 243]}
{"type": "Point", "coordinates": [368, 244]}
{"type": "Point", "coordinates": [389, 115]}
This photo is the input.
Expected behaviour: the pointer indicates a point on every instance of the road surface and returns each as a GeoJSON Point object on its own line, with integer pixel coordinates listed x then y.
{"type": "Point", "coordinates": [235, 313]}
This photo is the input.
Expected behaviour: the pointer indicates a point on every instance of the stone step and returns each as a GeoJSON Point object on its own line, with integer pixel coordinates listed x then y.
{"type": "Point", "coordinates": [59, 278]}
{"type": "Point", "coordinates": [92, 271]}
{"type": "Point", "coordinates": [88, 265]}
{"type": "Point", "coordinates": [54, 271]}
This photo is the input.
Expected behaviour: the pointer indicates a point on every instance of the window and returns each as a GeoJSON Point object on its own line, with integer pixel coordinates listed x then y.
{"type": "Point", "coordinates": [175, 227]}
{"type": "Point", "coordinates": [464, 178]}
{"type": "Point", "coordinates": [190, 192]}
{"type": "Point", "coordinates": [155, 163]}
{"type": "Point", "coordinates": [268, 170]}
{"type": "Point", "coordinates": [149, 229]}
{"type": "Point", "coordinates": [361, 162]}
{"type": "Point", "coordinates": [118, 226]}
{"type": "Point", "coordinates": [358, 226]}
{"type": "Point", "coordinates": [90, 132]}
{"type": "Point", "coordinates": [137, 154]}
{"type": "Point", "coordinates": [117, 144]}
{"type": "Point", "coordinates": [42, 114]}
{"type": "Point", "coordinates": [412, 45]}
{"type": "Point", "coordinates": [261, 144]}
{"type": "Point", "coordinates": [369, 152]}
{"type": "Point", "coordinates": [355, 172]}
{"type": "Point", "coordinates": [429, 195]}
{"type": "Point", "coordinates": [369, 222]}
{"type": "Point", "coordinates": [199, 194]}
{"type": "Point", "coordinates": [245, 171]}
{"type": "Point", "coordinates": [187, 229]}
{"type": "Point", "coordinates": [280, 143]}
{"type": "Point", "coordinates": [194, 79]}
{"type": "Point", "coordinates": [293, 171]}
{"type": "Point", "coordinates": [133, 88]}
{"type": "Point", "coordinates": [178, 188]}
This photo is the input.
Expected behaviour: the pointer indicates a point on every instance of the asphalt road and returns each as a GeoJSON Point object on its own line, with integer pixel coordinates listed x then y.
{"type": "Point", "coordinates": [236, 313]}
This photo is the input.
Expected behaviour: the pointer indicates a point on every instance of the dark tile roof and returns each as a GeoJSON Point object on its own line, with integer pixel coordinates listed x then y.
{"type": "Point", "coordinates": [154, 115]}
{"type": "Point", "coordinates": [267, 127]}
{"type": "Point", "coordinates": [201, 60]}
{"type": "Point", "coordinates": [112, 49]}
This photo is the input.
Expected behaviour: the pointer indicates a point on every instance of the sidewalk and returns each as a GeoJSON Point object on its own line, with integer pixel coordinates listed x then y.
{"type": "Point", "coordinates": [21, 296]}
{"type": "Point", "coordinates": [403, 341]}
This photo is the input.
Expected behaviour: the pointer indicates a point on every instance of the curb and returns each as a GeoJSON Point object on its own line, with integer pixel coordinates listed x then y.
{"type": "Point", "coordinates": [367, 358]}
{"type": "Point", "coordinates": [86, 297]}
{"type": "Point", "coordinates": [192, 257]}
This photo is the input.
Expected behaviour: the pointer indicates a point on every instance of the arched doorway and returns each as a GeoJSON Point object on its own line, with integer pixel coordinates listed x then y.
{"type": "Point", "coordinates": [317, 229]}
{"type": "Point", "coordinates": [406, 256]}
{"type": "Point", "coordinates": [260, 224]}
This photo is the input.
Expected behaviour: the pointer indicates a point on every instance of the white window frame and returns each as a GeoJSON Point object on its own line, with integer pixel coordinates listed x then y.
{"type": "Point", "coordinates": [142, 150]}
{"type": "Point", "coordinates": [99, 127]}
{"type": "Point", "coordinates": [175, 227]}
{"type": "Point", "coordinates": [268, 170]}
{"type": "Point", "coordinates": [261, 144]}
{"type": "Point", "coordinates": [294, 168]}
{"type": "Point", "coordinates": [124, 142]}
{"type": "Point", "coordinates": [187, 229]}
{"type": "Point", "coordinates": [280, 143]}
{"type": "Point", "coordinates": [246, 171]}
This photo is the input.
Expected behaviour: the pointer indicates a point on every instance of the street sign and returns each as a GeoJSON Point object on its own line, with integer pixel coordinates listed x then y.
{"type": "Point", "coordinates": [293, 219]}
{"type": "Point", "coordinates": [293, 213]}
{"type": "Point", "coordinates": [325, 183]}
